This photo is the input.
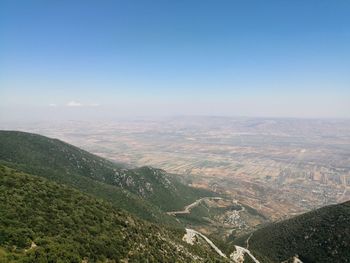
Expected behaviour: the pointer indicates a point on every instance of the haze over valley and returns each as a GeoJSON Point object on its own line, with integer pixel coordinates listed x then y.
{"type": "Point", "coordinates": [281, 167]}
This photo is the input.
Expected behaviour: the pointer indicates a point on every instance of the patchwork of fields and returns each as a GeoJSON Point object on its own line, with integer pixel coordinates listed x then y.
{"type": "Point", "coordinates": [285, 166]}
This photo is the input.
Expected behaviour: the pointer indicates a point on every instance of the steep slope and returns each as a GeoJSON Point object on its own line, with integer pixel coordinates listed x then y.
{"type": "Point", "coordinates": [322, 235]}
{"type": "Point", "coordinates": [121, 198]}
{"type": "Point", "coordinates": [68, 164]}
{"type": "Point", "coordinates": [42, 221]}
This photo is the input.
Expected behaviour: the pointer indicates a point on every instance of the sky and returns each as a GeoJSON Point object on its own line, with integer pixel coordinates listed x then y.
{"type": "Point", "coordinates": [103, 59]}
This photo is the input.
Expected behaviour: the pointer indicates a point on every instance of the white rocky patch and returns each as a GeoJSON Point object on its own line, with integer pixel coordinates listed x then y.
{"type": "Point", "coordinates": [191, 236]}
{"type": "Point", "coordinates": [238, 255]}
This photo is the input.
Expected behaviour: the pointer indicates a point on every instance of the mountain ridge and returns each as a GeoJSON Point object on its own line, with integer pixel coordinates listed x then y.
{"type": "Point", "coordinates": [151, 190]}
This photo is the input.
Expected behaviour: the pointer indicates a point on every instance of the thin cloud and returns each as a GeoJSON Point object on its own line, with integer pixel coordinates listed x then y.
{"type": "Point", "coordinates": [52, 105]}
{"type": "Point", "coordinates": [74, 104]}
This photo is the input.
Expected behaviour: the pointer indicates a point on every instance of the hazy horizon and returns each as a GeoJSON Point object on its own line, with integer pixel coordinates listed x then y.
{"type": "Point", "coordinates": [8, 116]}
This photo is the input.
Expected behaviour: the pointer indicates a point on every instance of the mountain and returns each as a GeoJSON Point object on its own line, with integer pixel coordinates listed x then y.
{"type": "Point", "coordinates": [60, 202]}
{"type": "Point", "coordinates": [322, 235]}
{"type": "Point", "coordinates": [145, 191]}
{"type": "Point", "coordinates": [43, 221]}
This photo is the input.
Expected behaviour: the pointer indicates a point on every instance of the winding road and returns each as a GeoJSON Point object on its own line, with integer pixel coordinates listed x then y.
{"type": "Point", "coordinates": [236, 257]}
{"type": "Point", "coordinates": [189, 207]}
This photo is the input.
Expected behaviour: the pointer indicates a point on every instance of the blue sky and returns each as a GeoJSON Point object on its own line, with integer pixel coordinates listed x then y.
{"type": "Point", "coordinates": [239, 58]}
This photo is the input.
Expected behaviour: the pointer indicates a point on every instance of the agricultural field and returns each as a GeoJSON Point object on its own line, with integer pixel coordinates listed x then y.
{"type": "Point", "coordinates": [279, 167]}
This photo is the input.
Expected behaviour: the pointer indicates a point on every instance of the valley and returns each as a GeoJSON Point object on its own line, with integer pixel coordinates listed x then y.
{"type": "Point", "coordinates": [64, 198]}
{"type": "Point", "coordinates": [279, 167]}
{"type": "Point", "coordinates": [218, 217]}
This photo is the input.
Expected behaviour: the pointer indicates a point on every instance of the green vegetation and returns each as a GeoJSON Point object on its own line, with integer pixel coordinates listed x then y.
{"type": "Point", "coordinates": [168, 192]}
{"type": "Point", "coordinates": [72, 210]}
{"type": "Point", "coordinates": [322, 235]}
{"type": "Point", "coordinates": [42, 221]}
{"type": "Point", "coordinates": [197, 217]}
{"type": "Point", "coordinates": [145, 191]}
{"type": "Point", "coordinates": [119, 197]}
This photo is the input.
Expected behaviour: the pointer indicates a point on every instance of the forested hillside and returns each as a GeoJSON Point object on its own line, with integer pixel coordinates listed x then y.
{"type": "Point", "coordinates": [42, 221]}
{"type": "Point", "coordinates": [144, 191]}
{"type": "Point", "coordinates": [322, 235]}
{"type": "Point", "coordinates": [58, 202]}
